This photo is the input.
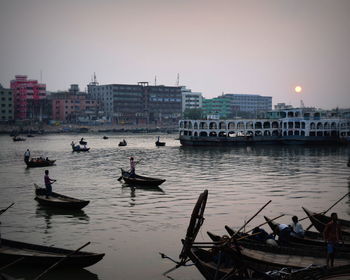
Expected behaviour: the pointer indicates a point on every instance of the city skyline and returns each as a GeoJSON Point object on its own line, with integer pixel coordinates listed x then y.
{"type": "Point", "coordinates": [252, 47]}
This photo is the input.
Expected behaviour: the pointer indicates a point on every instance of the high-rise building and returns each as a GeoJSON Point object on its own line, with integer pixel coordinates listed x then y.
{"type": "Point", "coordinates": [138, 103]}
{"type": "Point", "coordinates": [191, 100]}
{"type": "Point", "coordinates": [29, 96]}
{"type": "Point", "coordinates": [6, 104]}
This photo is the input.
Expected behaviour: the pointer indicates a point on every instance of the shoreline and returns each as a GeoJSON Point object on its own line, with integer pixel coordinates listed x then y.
{"type": "Point", "coordinates": [72, 128]}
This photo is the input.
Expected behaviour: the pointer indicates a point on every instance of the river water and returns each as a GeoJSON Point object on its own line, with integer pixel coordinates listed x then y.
{"type": "Point", "coordinates": [133, 225]}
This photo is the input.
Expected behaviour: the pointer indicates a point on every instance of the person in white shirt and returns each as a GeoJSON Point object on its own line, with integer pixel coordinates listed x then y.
{"type": "Point", "coordinates": [26, 155]}
{"type": "Point", "coordinates": [297, 229]}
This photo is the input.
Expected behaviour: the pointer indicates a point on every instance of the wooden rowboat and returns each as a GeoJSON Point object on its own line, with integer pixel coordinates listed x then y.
{"type": "Point", "coordinates": [38, 255]}
{"type": "Point", "coordinates": [319, 221]}
{"type": "Point", "coordinates": [140, 180]}
{"type": "Point", "coordinates": [57, 200]}
{"type": "Point", "coordinates": [159, 144]}
{"type": "Point", "coordinates": [40, 163]}
{"type": "Point", "coordinates": [77, 148]}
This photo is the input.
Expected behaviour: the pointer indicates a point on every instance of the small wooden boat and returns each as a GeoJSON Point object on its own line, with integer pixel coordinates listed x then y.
{"type": "Point", "coordinates": [105, 137]}
{"type": "Point", "coordinates": [77, 148]}
{"type": "Point", "coordinates": [310, 238]}
{"type": "Point", "coordinates": [40, 162]}
{"type": "Point", "coordinates": [122, 143]}
{"type": "Point", "coordinates": [319, 221]}
{"type": "Point", "coordinates": [57, 200]}
{"type": "Point", "coordinates": [17, 139]}
{"type": "Point", "coordinates": [140, 180]}
{"type": "Point", "coordinates": [158, 143]}
{"type": "Point", "coordinates": [38, 255]}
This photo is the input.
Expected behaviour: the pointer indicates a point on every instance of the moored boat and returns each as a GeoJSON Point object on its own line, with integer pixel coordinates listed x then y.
{"type": "Point", "coordinates": [140, 180]}
{"type": "Point", "coordinates": [38, 255]}
{"type": "Point", "coordinates": [319, 221]}
{"type": "Point", "coordinates": [310, 238]}
{"type": "Point", "coordinates": [57, 200]}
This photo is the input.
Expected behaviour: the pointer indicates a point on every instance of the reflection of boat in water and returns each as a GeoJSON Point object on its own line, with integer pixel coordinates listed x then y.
{"type": "Point", "coordinates": [135, 187]}
{"type": "Point", "coordinates": [29, 272]}
{"type": "Point", "coordinates": [48, 213]}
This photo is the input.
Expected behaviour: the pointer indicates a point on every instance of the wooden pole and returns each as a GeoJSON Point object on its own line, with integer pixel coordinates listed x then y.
{"type": "Point", "coordinates": [61, 260]}
{"type": "Point", "coordinates": [4, 210]}
{"type": "Point", "coordinates": [253, 217]}
{"type": "Point", "coordinates": [10, 264]}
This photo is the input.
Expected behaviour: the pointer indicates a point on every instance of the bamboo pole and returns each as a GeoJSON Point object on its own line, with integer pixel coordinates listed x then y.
{"type": "Point", "coordinates": [61, 260]}
{"type": "Point", "coordinates": [253, 217]}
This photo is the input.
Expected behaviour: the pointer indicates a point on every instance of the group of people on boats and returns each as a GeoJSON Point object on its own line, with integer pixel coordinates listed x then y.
{"type": "Point", "coordinates": [332, 235]}
{"type": "Point", "coordinates": [78, 147]}
{"type": "Point", "coordinates": [27, 158]}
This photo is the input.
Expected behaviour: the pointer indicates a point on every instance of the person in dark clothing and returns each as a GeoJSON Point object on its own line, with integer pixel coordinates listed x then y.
{"type": "Point", "coordinates": [48, 181]}
{"type": "Point", "coordinates": [332, 236]}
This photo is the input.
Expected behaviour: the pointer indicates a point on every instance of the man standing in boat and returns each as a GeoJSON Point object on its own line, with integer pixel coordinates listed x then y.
{"type": "Point", "coordinates": [26, 156]}
{"type": "Point", "coordinates": [132, 167]}
{"type": "Point", "coordinates": [48, 182]}
{"type": "Point", "coordinates": [332, 236]}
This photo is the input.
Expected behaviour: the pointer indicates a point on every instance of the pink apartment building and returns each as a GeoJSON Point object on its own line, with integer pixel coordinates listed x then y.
{"type": "Point", "coordinates": [28, 97]}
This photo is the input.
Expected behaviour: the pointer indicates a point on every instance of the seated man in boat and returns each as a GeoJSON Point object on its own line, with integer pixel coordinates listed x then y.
{"type": "Point", "coordinates": [297, 228]}
{"type": "Point", "coordinates": [332, 235]}
{"type": "Point", "coordinates": [283, 231]}
{"type": "Point", "coordinates": [259, 234]}
{"type": "Point", "coordinates": [48, 181]}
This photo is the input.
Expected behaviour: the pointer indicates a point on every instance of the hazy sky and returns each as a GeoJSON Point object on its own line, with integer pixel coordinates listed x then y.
{"type": "Point", "coordinates": [262, 47]}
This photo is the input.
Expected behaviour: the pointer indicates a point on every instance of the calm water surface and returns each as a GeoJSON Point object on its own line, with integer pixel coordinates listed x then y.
{"type": "Point", "coordinates": [133, 226]}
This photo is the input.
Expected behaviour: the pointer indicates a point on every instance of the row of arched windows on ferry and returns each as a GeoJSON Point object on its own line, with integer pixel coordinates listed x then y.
{"type": "Point", "coordinates": [260, 125]}
{"type": "Point", "coordinates": [262, 133]}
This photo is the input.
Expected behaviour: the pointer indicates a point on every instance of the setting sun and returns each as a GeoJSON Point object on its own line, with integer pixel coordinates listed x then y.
{"type": "Point", "coordinates": [298, 89]}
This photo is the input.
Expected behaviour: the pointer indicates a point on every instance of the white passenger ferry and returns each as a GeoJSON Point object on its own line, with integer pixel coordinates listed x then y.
{"type": "Point", "coordinates": [288, 126]}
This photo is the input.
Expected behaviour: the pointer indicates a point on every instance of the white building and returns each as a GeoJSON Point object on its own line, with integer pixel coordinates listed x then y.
{"type": "Point", "coordinates": [191, 100]}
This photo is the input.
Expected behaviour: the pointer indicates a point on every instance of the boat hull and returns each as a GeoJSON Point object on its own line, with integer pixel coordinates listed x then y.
{"type": "Point", "coordinates": [40, 164]}
{"type": "Point", "coordinates": [38, 255]}
{"type": "Point", "coordinates": [59, 201]}
{"type": "Point", "coordinates": [141, 180]}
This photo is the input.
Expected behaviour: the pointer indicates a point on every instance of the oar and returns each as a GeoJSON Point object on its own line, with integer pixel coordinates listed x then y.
{"type": "Point", "coordinates": [334, 204]}
{"type": "Point", "coordinates": [61, 260]}
{"type": "Point", "coordinates": [226, 227]}
{"type": "Point", "coordinates": [10, 264]}
{"type": "Point", "coordinates": [253, 217]}
{"type": "Point", "coordinates": [4, 210]}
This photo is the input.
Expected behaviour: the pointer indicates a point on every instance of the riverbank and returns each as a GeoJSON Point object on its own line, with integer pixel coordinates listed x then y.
{"type": "Point", "coordinates": [72, 128]}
